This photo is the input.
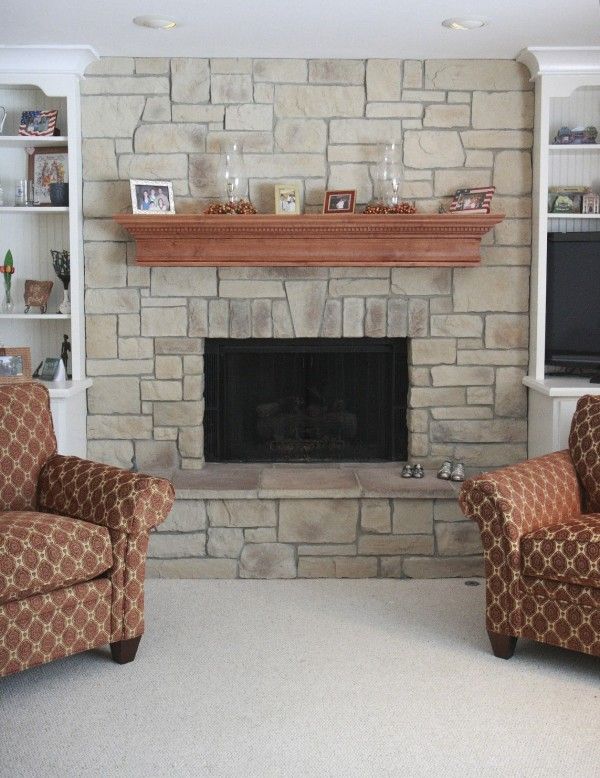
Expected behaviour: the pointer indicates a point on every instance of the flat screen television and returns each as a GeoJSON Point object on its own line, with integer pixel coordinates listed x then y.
{"type": "Point", "coordinates": [573, 300]}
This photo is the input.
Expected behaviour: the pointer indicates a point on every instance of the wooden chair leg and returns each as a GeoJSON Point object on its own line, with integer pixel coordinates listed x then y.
{"type": "Point", "coordinates": [124, 651]}
{"type": "Point", "coordinates": [503, 646]}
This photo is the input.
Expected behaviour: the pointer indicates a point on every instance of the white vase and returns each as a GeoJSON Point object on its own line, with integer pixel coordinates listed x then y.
{"type": "Point", "coordinates": [65, 306]}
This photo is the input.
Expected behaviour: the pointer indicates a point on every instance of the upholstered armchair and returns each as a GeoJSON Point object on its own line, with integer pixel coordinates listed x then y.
{"type": "Point", "coordinates": [540, 529]}
{"type": "Point", "coordinates": [73, 542]}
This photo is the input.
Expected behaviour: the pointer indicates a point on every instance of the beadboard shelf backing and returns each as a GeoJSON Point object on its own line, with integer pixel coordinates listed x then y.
{"type": "Point", "coordinates": [416, 240]}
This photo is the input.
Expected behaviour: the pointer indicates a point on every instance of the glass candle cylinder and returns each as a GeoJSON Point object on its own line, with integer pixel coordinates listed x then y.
{"type": "Point", "coordinates": [233, 173]}
{"type": "Point", "coordinates": [390, 174]}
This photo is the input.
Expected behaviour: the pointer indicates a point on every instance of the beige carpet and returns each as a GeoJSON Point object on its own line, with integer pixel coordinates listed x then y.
{"type": "Point", "coordinates": [307, 678]}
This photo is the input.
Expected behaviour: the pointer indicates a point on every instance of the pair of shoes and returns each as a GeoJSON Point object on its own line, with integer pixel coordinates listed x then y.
{"type": "Point", "coordinates": [451, 471]}
{"type": "Point", "coordinates": [413, 471]}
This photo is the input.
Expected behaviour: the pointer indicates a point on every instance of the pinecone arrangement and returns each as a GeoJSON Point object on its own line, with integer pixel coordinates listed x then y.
{"type": "Point", "coordinates": [241, 207]}
{"type": "Point", "coordinates": [381, 208]}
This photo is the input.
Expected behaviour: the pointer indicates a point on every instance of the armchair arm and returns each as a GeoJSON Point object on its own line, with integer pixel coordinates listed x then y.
{"type": "Point", "coordinates": [521, 498]}
{"type": "Point", "coordinates": [118, 499]}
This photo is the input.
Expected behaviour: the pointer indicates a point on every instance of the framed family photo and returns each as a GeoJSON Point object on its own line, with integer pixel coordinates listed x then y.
{"type": "Point", "coordinates": [339, 201]}
{"type": "Point", "coordinates": [477, 200]}
{"type": "Point", "coordinates": [38, 123]}
{"type": "Point", "coordinates": [15, 364]}
{"type": "Point", "coordinates": [287, 199]}
{"type": "Point", "coordinates": [47, 166]}
{"type": "Point", "coordinates": [152, 197]}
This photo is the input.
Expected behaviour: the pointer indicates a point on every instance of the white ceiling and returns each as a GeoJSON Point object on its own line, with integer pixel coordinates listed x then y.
{"type": "Point", "coordinates": [304, 28]}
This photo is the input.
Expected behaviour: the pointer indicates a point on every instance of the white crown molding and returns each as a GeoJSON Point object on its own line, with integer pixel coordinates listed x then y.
{"type": "Point", "coordinates": [561, 61]}
{"type": "Point", "coordinates": [58, 60]}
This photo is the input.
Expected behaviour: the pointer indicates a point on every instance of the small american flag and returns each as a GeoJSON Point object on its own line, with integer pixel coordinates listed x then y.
{"type": "Point", "coordinates": [476, 200]}
{"type": "Point", "coordinates": [38, 123]}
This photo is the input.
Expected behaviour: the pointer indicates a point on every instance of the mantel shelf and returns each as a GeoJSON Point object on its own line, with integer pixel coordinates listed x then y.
{"type": "Point", "coordinates": [426, 240]}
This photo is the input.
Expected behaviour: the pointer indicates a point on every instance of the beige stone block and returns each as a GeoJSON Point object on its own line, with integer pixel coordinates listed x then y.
{"type": "Point", "coordinates": [497, 139]}
{"type": "Point", "coordinates": [231, 88]}
{"type": "Point", "coordinates": [397, 318]}
{"type": "Point", "coordinates": [191, 442]}
{"type": "Point", "coordinates": [154, 455]}
{"type": "Point", "coordinates": [318, 521]}
{"type": "Point", "coordinates": [263, 93]}
{"type": "Point", "coordinates": [375, 516]}
{"type": "Point", "coordinates": [318, 101]}
{"type": "Point", "coordinates": [448, 181]}
{"type": "Point", "coordinates": [336, 71]}
{"type": "Point", "coordinates": [451, 375]}
{"type": "Point", "coordinates": [191, 568]}
{"type": "Point", "coordinates": [514, 232]}
{"type": "Point", "coordinates": [242, 513]}
{"type": "Point", "coordinates": [111, 452]}
{"type": "Point", "coordinates": [152, 66]}
{"type": "Point", "coordinates": [484, 431]}
{"type": "Point", "coordinates": [412, 281]}
{"type": "Point", "coordinates": [332, 319]}
{"type": "Point", "coordinates": [480, 356]}
{"type": "Point", "coordinates": [512, 172]}
{"type": "Point", "coordinates": [225, 542]}
{"type": "Point", "coordinates": [262, 320]}
{"type": "Point", "coordinates": [267, 560]}
{"type": "Point", "coordinates": [240, 319]}
{"type": "Point", "coordinates": [123, 85]}
{"type": "Point", "coordinates": [489, 74]}
{"type": "Point", "coordinates": [418, 421]}
{"type": "Point", "coordinates": [412, 516]}
{"type": "Point", "coordinates": [153, 166]}
{"type": "Point", "coordinates": [164, 321]}
{"type": "Point", "coordinates": [165, 433]}
{"type": "Point", "coordinates": [356, 153]}
{"type": "Point", "coordinates": [188, 345]}
{"type": "Point", "coordinates": [249, 117]}
{"type": "Point", "coordinates": [204, 175]}
{"type": "Point", "coordinates": [190, 81]}
{"type": "Point", "coordinates": [462, 412]}
{"type": "Point", "coordinates": [105, 198]}
{"type": "Point", "coordinates": [282, 322]}
{"type": "Point", "coordinates": [375, 317]}
{"type": "Point", "coordinates": [167, 367]}
{"type": "Point", "coordinates": [364, 130]}
{"type": "Point", "coordinates": [185, 516]}
{"type": "Point", "coordinates": [457, 538]}
{"type": "Point", "coordinates": [112, 301]}
{"type": "Point", "coordinates": [252, 289]}
{"type": "Point", "coordinates": [459, 97]}
{"type": "Point", "coordinates": [480, 159]}
{"type": "Point", "coordinates": [424, 95]}
{"type": "Point", "coordinates": [384, 79]}
{"type": "Point", "coordinates": [316, 567]}
{"type": "Point", "coordinates": [251, 141]}
{"type": "Point", "coordinates": [386, 545]}
{"type": "Point", "coordinates": [105, 264]}
{"type": "Point", "coordinates": [413, 74]}
{"type": "Point", "coordinates": [511, 395]}
{"type": "Point", "coordinates": [355, 567]}
{"type": "Point", "coordinates": [103, 230]}
{"type": "Point", "coordinates": [169, 138]}
{"type": "Point", "coordinates": [353, 317]}
{"type": "Point", "coordinates": [491, 289]}
{"type": "Point", "coordinates": [158, 109]}
{"type": "Point", "coordinates": [119, 427]}
{"type": "Point", "coordinates": [193, 387]}
{"type": "Point", "coordinates": [306, 301]}
{"type": "Point", "coordinates": [231, 65]}
{"type": "Point", "coordinates": [418, 317]}
{"type": "Point", "coordinates": [136, 348]}
{"type": "Point", "coordinates": [198, 318]}
{"type": "Point", "coordinates": [424, 397]}
{"type": "Point", "coordinates": [352, 177]}
{"type": "Point", "coordinates": [506, 330]}
{"type": "Point", "coordinates": [450, 567]}
{"type": "Point", "coordinates": [178, 414]}
{"type": "Point", "coordinates": [181, 545]}
{"type": "Point", "coordinates": [101, 337]}
{"type": "Point", "coordinates": [447, 510]}
{"type": "Point", "coordinates": [110, 66]}
{"type": "Point", "coordinates": [513, 207]}
{"type": "Point", "coordinates": [457, 325]}
{"type": "Point", "coordinates": [351, 287]}
{"type": "Point", "coordinates": [301, 135]}
{"type": "Point", "coordinates": [394, 111]}
{"type": "Point", "coordinates": [99, 159]}
{"type": "Point", "coordinates": [183, 281]}
{"type": "Point", "coordinates": [480, 395]}
{"type": "Point", "coordinates": [161, 390]}
{"type": "Point", "coordinates": [106, 367]}
{"type": "Point", "coordinates": [218, 318]}
{"type": "Point", "coordinates": [447, 116]}
{"type": "Point", "coordinates": [193, 365]}
{"type": "Point", "coordinates": [440, 305]}
{"type": "Point", "coordinates": [260, 535]}
{"type": "Point", "coordinates": [503, 110]}
{"type": "Point", "coordinates": [200, 114]}
{"type": "Point", "coordinates": [138, 276]}
{"type": "Point", "coordinates": [280, 70]}
{"type": "Point", "coordinates": [418, 445]}
{"type": "Point", "coordinates": [284, 165]}
{"type": "Point", "coordinates": [391, 567]}
{"type": "Point", "coordinates": [433, 351]}
{"type": "Point", "coordinates": [114, 395]}
{"type": "Point", "coordinates": [327, 549]}
{"type": "Point", "coordinates": [124, 112]}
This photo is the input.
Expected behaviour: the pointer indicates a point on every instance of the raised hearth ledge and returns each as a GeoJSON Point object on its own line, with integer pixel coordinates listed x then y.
{"type": "Point", "coordinates": [262, 240]}
{"type": "Point", "coordinates": [297, 481]}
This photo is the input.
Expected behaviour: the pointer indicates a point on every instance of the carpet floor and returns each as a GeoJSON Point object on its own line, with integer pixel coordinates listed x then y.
{"type": "Point", "coordinates": [270, 679]}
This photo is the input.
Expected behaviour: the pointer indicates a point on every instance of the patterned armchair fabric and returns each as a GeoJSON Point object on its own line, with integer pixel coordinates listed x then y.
{"type": "Point", "coordinates": [73, 551]}
{"type": "Point", "coordinates": [542, 552]}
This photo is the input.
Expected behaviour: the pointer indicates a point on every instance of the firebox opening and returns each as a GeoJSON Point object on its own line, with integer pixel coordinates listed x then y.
{"type": "Point", "coordinates": [305, 400]}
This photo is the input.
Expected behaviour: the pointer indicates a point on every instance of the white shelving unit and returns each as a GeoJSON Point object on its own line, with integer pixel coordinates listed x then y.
{"type": "Point", "coordinates": [46, 78]}
{"type": "Point", "coordinates": [567, 93]}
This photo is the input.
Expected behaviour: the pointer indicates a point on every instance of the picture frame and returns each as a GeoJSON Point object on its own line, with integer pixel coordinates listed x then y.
{"type": "Point", "coordinates": [473, 200]}
{"type": "Point", "coordinates": [152, 197]}
{"type": "Point", "coordinates": [339, 201]}
{"type": "Point", "coordinates": [47, 165]}
{"type": "Point", "coordinates": [590, 203]}
{"type": "Point", "coordinates": [15, 364]}
{"type": "Point", "coordinates": [38, 123]}
{"type": "Point", "coordinates": [287, 200]}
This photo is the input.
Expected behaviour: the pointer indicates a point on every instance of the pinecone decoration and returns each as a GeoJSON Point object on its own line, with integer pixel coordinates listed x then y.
{"type": "Point", "coordinates": [241, 207]}
{"type": "Point", "coordinates": [376, 208]}
{"type": "Point", "coordinates": [403, 207]}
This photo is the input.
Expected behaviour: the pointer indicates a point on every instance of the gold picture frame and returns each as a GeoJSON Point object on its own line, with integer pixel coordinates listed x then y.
{"type": "Point", "coordinates": [287, 200]}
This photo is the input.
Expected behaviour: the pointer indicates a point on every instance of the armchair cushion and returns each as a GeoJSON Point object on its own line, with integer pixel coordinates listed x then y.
{"type": "Point", "coordinates": [584, 446]}
{"type": "Point", "coordinates": [40, 552]}
{"type": "Point", "coordinates": [26, 443]}
{"type": "Point", "coordinates": [105, 495]}
{"type": "Point", "coordinates": [567, 552]}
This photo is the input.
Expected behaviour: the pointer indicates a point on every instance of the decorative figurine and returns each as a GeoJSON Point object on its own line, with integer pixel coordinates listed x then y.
{"type": "Point", "coordinates": [64, 353]}
{"type": "Point", "coordinates": [36, 294]}
{"type": "Point", "coordinates": [576, 136]}
{"type": "Point", "coordinates": [62, 268]}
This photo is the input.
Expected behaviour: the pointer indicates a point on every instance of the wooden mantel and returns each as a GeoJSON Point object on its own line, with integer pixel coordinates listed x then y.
{"type": "Point", "coordinates": [426, 240]}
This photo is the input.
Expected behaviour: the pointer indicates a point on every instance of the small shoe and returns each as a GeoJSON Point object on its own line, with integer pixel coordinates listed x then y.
{"type": "Point", "coordinates": [418, 471]}
{"type": "Point", "coordinates": [458, 472]}
{"type": "Point", "coordinates": [407, 471]}
{"type": "Point", "coordinates": [445, 470]}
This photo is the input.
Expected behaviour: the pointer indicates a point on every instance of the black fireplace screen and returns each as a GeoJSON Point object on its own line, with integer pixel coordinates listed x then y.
{"type": "Point", "coordinates": [305, 399]}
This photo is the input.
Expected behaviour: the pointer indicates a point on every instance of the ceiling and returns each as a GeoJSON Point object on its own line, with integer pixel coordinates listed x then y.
{"type": "Point", "coordinates": [305, 28]}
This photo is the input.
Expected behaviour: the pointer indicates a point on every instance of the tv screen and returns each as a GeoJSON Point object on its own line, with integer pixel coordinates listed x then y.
{"type": "Point", "coordinates": [573, 299]}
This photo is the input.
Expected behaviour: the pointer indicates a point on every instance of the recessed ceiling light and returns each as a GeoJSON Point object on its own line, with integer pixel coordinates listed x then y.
{"type": "Point", "coordinates": [463, 24]}
{"type": "Point", "coordinates": [155, 22]}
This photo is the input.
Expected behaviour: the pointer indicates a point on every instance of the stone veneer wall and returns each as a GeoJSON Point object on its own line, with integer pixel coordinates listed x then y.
{"type": "Point", "coordinates": [321, 122]}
